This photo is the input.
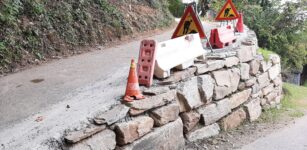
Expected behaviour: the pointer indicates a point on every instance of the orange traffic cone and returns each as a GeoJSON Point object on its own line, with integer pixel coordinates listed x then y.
{"type": "Point", "coordinates": [133, 89]}
{"type": "Point", "coordinates": [240, 26]}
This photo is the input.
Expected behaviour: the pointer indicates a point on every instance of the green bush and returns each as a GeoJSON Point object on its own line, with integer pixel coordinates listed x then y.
{"type": "Point", "coordinates": [176, 7]}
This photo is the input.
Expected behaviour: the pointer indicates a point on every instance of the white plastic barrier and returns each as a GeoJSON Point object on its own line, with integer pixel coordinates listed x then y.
{"type": "Point", "coordinates": [179, 52]}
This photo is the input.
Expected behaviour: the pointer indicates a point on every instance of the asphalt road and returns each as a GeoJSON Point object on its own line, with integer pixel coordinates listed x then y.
{"type": "Point", "coordinates": [292, 137]}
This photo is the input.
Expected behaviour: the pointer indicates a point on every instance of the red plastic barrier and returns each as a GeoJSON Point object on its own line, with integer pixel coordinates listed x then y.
{"type": "Point", "coordinates": [222, 37]}
{"type": "Point", "coordinates": [146, 62]}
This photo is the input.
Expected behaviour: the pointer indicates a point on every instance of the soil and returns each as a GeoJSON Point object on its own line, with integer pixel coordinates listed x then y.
{"type": "Point", "coordinates": [243, 135]}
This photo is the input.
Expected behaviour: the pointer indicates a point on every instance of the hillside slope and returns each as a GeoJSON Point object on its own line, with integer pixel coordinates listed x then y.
{"type": "Point", "coordinates": [35, 30]}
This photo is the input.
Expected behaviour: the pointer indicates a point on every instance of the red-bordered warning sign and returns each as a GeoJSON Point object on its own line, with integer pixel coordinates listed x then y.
{"type": "Point", "coordinates": [188, 24]}
{"type": "Point", "coordinates": [228, 12]}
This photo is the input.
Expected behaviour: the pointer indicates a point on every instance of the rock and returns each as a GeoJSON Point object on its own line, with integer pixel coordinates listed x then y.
{"type": "Point", "coordinates": [204, 132]}
{"type": "Point", "coordinates": [231, 61]}
{"type": "Point", "coordinates": [188, 94]}
{"type": "Point", "coordinates": [241, 86]}
{"type": "Point", "coordinates": [244, 69]}
{"type": "Point", "coordinates": [190, 120]}
{"type": "Point", "coordinates": [227, 82]}
{"type": "Point", "coordinates": [277, 81]}
{"type": "Point", "coordinates": [205, 86]}
{"type": "Point", "coordinates": [165, 114]}
{"type": "Point", "coordinates": [104, 140]}
{"type": "Point", "coordinates": [76, 136]}
{"type": "Point", "coordinates": [109, 118]}
{"type": "Point", "coordinates": [140, 106]}
{"type": "Point", "coordinates": [233, 120]}
{"type": "Point", "coordinates": [128, 132]}
{"type": "Point", "coordinates": [263, 80]}
{"type": "Point", "coordinates": [222, 78]}
{"type": "Point", "coordinates": [254, 67]}
{"type": "Point", "coordinates": [246, 53]}
{"type": "Point", "coordinates": [274, 58]}
{"type": "Point", "coordinates": [256, 88]}
{"type": "Point", "coordinates": [278, 99]}
{"type": "Point", "coordinates": [252, 81]}
{"type": "Point", "coordinates": [239, 98]}
{"type": "Point", "coordinates": [253, 109]}
{"type": "Point", "coordinates": [274, 71]}
{"type": "Point", "coordinates": [265, 66]}
{"type": "Point", "coordinates": [167, 137]}
{"type": "Point", "coordinates": [180, 76]}
{"type": "Point", "coordinates": [268, 89]}
{"type": "Point", "coordinates": [270, 97]}
{"type": "Point", "coordinates": [213, 112]}
{"type": "Point", "coordinates": [210, 65]}
{"type": "Point", "coordinates": [258, 94]}
{"type": "Point", "coordinates": [156, 90]}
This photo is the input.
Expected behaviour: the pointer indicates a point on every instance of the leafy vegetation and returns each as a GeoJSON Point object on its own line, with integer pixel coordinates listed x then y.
{"type": "Point", "coordinates": [265, 53]}
{"type": "Point", "coordinates": [176, 7]}
{"type": "Point", "coordinates": [279, 27]}
{"type": "Point", "coordinates": [294, 104]}
{"type": "Point", "coordinates": [34, 30]}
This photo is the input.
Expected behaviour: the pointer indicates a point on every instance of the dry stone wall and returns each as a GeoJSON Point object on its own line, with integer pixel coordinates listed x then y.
{"type": "Point", "coordinates": [215, 94]}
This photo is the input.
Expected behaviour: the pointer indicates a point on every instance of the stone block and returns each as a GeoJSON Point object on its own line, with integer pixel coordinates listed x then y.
{"type": "Point", "coordinates": [104, 140]}
{"type": "Point", "coordinates": [165, 114]}
{"type": "Point", "coordinates": [109, 118]}
{"type": "Point", "coordinates": [263, 80]}
{"type": "Point", "coordinates": [268, 89]}
{"type": "Point", "coordinates": [244, 69]}
{"type": "Point", "coordinates": [156, 90]}
{"type": "Point", "coordinates": [265, 65]}
{"type": "Point", "coordinates": [233, 120]}
{"type": "Point", "coordinates": [179, 76]}
{"type": "Point", "coordinates": [277, 81]}
{"type": "Point", "coordinates": [270, 97]}
{"type": "Point", "coordinates": [231, 61]}
{"type": "Point", "coordinates": [138, 107]}
{"type": "Point", "coordinates": [254, 67]}
{"type": "Point", "coordinates": [210, 65]}
{"type": "Point", "coordinates": [274, 58]}
{"type": "Point", "coordinates": [189, 95]}
{"type": "Point", "coordinates": [205, 86]}
{"type": "Point", "coordinates": [127, 132]}
{"type": "Point", "coordinates": [246, 53]}
{"type": "Point", "coordinates": [241, 86]}
{"type": "Point", "coordinates": [239, 98]}
{"type": "Point", "coordinates": [204, 132]}
{"type": "Point", "coordinates": [274, 71]}
{"type": "Point", "coordinates": [76, 136]}
{"type": "Point", "coordinates": [190, 120]}
{"type": "Point", "coordinates": [253, 109]}
{"type": "Point", "coordinates": [252, 81]}
{"type": "Point", "coordinates": [227, 82]}
{"type": "Point", "coordinates": [167, 137]}
{"type": "Point", "coordinates": [256, 88]}
{"type": "Point", "coordinates": [213, 112]}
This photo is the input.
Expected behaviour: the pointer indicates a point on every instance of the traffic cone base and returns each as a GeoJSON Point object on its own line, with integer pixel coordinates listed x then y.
{"type": "Point", "coordinates": [133, 90]}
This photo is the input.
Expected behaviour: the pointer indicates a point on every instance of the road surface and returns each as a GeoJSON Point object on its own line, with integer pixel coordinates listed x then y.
{"type": "Point", "coordinates": [292, 137]}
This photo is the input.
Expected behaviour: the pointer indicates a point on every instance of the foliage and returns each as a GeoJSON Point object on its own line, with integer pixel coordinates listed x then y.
{"type": "Point", "coordinates": [176, 7]}
{"type": "Point", "coordinates": [34, 30]}
{"type": "Point", "coordinates": [265, 53]}
{"type": "Point", "coordinates": [278, 28]}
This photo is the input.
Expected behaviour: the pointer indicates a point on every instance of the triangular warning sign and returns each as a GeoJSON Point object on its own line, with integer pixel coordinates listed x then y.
{"type": "Point", "coordinates": [228, 12]}
{"type": "Point", "coordinates": [188, 24]}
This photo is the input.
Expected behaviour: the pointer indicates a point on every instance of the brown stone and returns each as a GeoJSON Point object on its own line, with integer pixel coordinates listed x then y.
{"type": "Point", "coordinates": [140, 106]}
{"type": "Point", "coordinates": [233, 120]}
{"type": "Point", "coordinates": [239, 98]}
{"type": "Point", "coordinates": [127, 132]}
{"type": "Point", "coordinates": [165, 114]}
{"type": "Point", "coordinates": [76, 136]}
{"type": "Point", "coordinates": [190, 120]}
{"type": "Point", "coordinates": [254, 66]}
{"type": "Point", "coordinates": [263, 80]}
{"type": "Point", "coordinates": [167, 137]}
{"type": "Point", "coordinates": [253, 109]}
{"type": "Point", "coordinates": [268, 89]}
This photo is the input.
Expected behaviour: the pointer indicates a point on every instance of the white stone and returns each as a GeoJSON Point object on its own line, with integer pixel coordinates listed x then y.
{"type": "Point", "coordinates": [274, 71]}
{"type": "Point", "coordinates": [231, 61]}
{"type": "Point", "coordinates": [205, 86]}
{"type": "Point", "coordinates": [253, 109]}
{"type": "Point", "coordinates": [204, 132]}
{"type": "Point", "coordinates": [244, 68]}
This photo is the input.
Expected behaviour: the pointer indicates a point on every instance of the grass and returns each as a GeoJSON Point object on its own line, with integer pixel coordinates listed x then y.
{"type": "Point", "coordinates": [294, 104]}
{"type": "Point", "coordinates": [265, 53]}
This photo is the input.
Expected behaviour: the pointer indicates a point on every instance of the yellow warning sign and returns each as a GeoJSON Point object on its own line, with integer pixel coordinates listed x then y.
{"type": "Point", "coordinates": [188, 24]}
{"type": "Point", "coordinates": [228, 12]}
